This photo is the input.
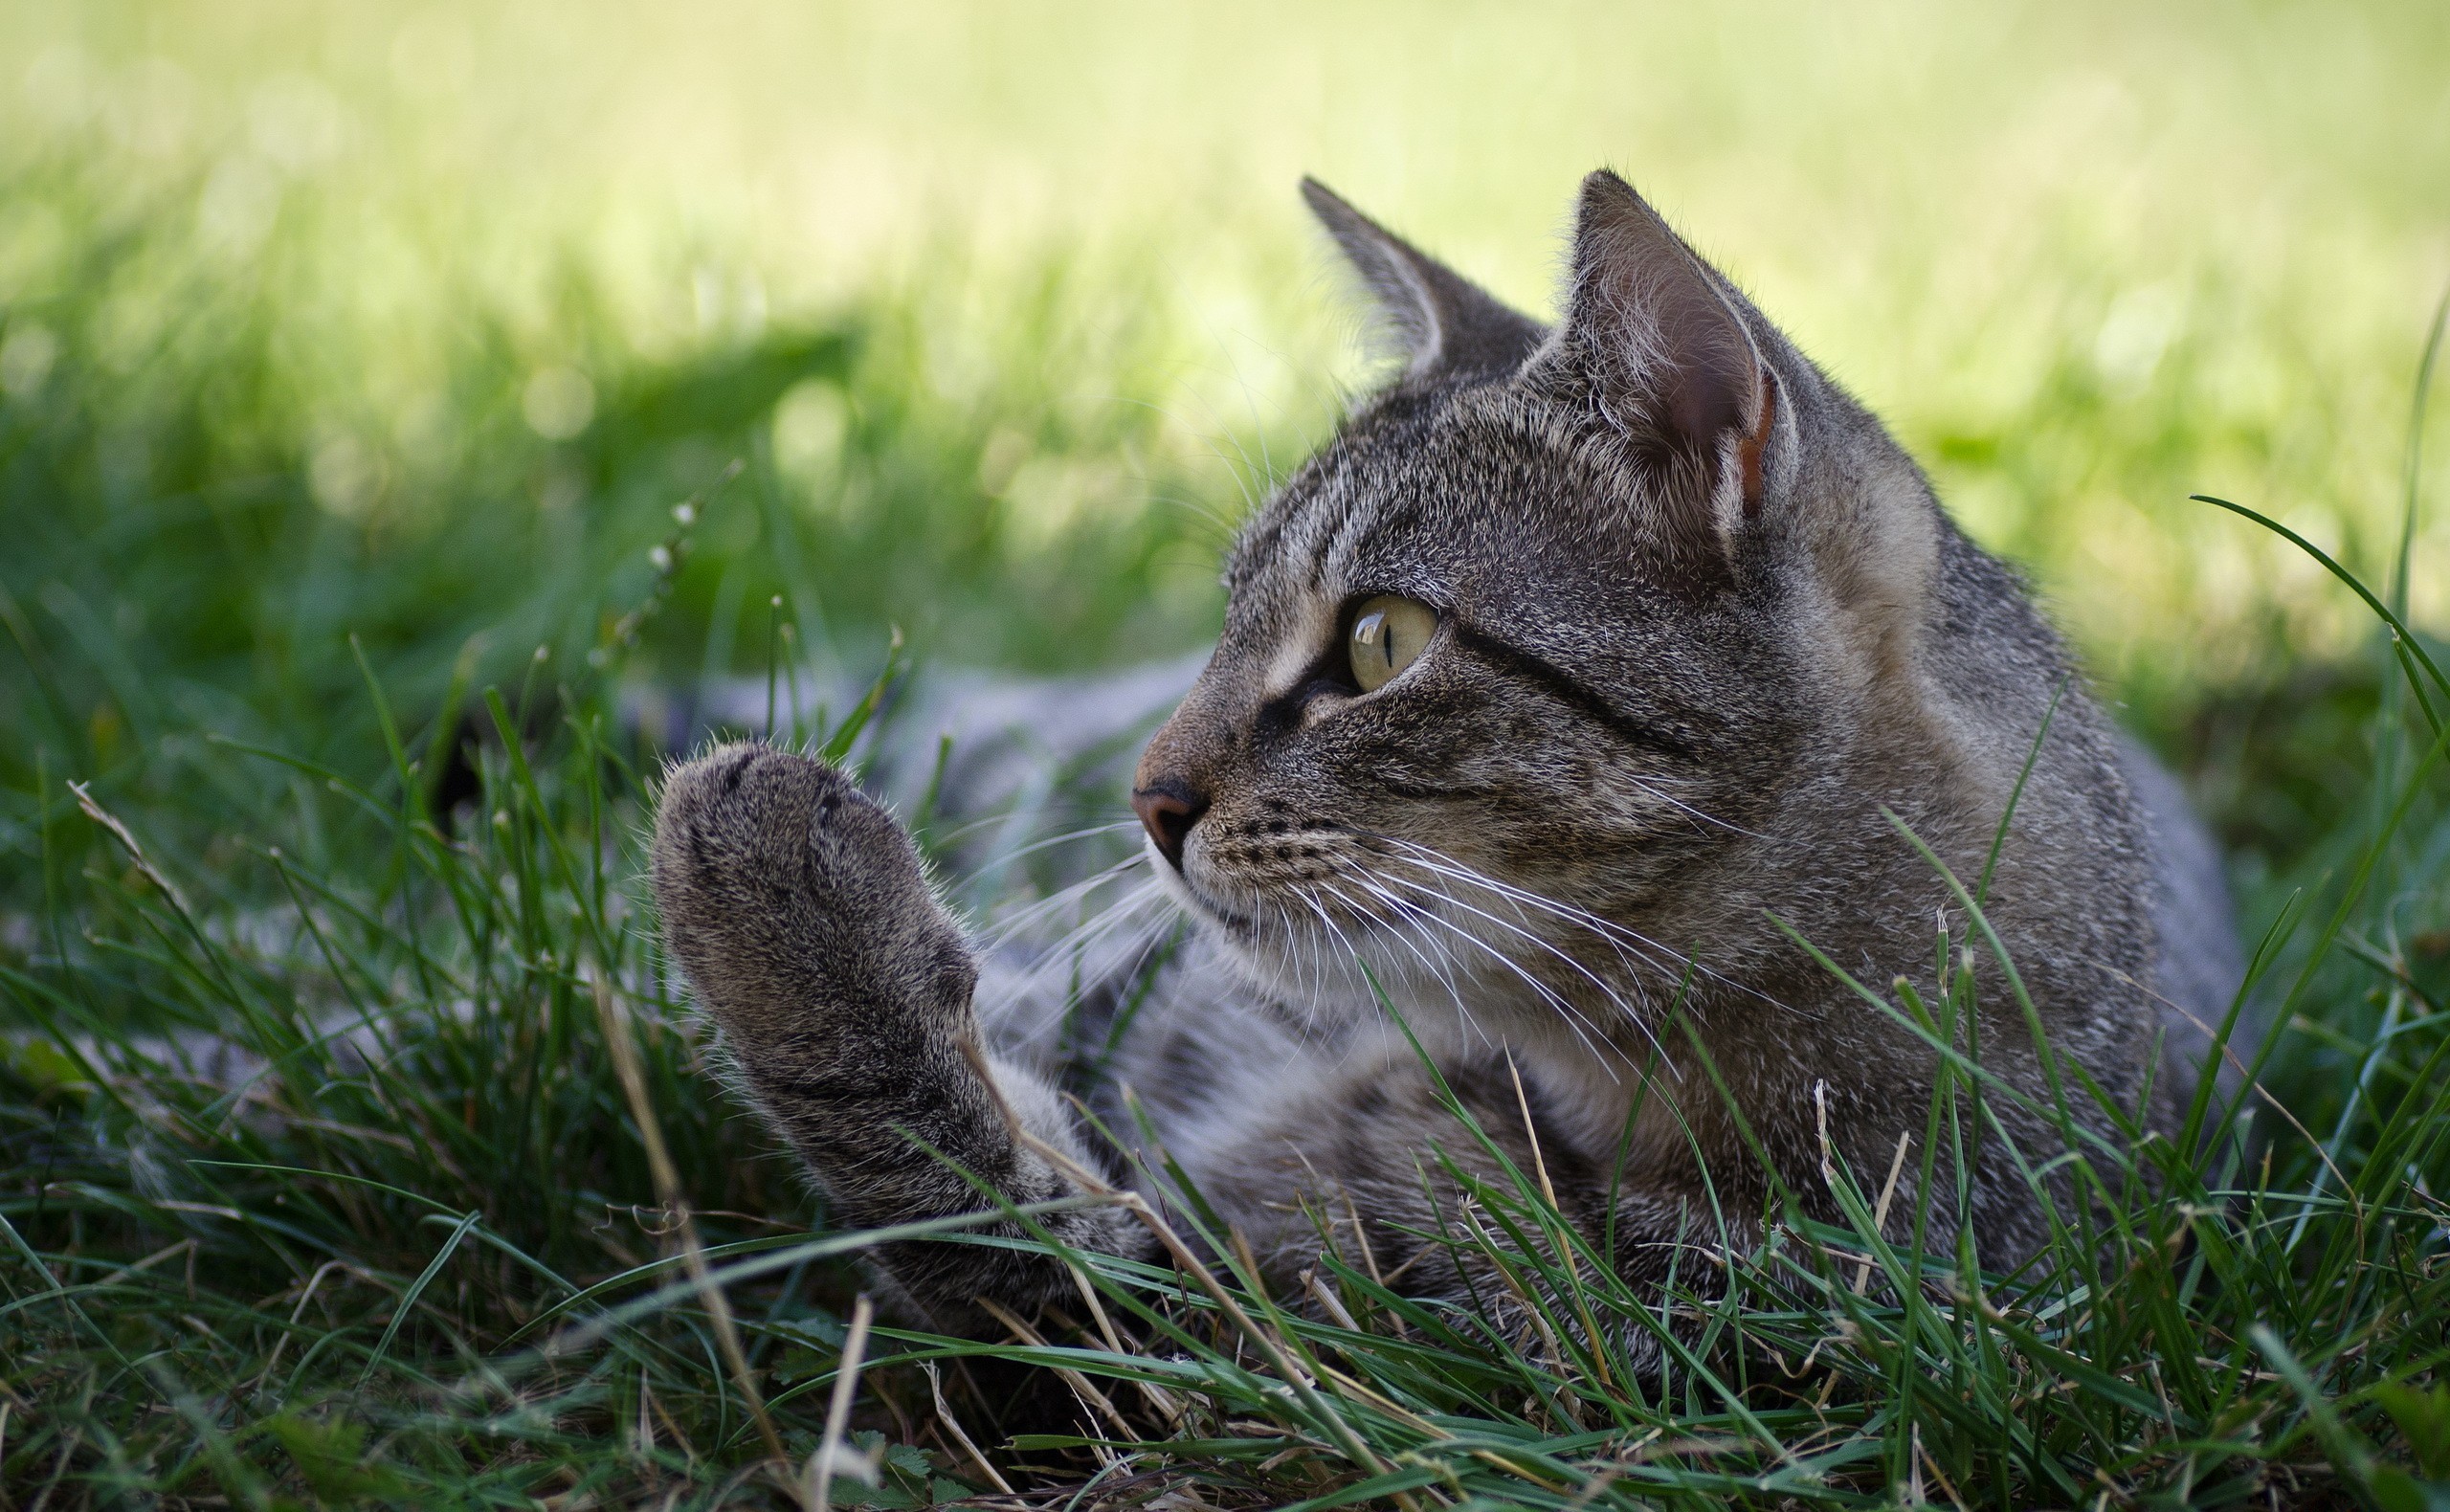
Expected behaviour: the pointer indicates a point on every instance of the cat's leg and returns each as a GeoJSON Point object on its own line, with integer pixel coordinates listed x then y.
{"type": "Point", "coordinates": [798, 908]}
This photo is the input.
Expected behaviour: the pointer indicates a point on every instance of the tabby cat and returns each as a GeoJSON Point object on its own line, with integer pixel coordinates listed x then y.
{"type": "Point", "coordinates": [1584, 672]}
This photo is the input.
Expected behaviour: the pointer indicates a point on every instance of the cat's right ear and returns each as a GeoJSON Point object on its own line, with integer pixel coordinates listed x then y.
{"type": "Point", "coordinates": [1442, 322]}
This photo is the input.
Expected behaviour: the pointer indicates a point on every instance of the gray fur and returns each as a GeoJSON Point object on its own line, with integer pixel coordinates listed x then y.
{"type": "Point", "coordinates": [800, 912]}
{"type": "Point", "coordinates": [2200, 964]}
{"type": "Point", "coordinates": [1703, 629]}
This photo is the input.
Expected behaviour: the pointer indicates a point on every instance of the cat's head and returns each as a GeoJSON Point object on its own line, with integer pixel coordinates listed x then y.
{"type": "Point", "coordinates": [1545, 640]}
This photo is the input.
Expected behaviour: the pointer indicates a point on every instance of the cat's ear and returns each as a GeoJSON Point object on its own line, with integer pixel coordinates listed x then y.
{"type": "Point", "coordinates": [1652, 343]}
{"type": "Point", "coordinates": [1442, 322]}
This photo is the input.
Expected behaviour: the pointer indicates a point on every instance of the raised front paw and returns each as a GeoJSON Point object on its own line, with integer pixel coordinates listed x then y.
{"type": "Point", "coordinates": [793, 900]}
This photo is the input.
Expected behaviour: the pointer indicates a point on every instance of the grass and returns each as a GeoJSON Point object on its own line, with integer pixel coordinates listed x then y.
{"type": "Point", "coordinates": [423, 1253]}
{"type": "Point", "coordinates": [344, 458]}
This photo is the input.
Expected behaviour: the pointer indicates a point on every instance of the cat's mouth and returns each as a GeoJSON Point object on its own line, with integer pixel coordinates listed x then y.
{"type": "Point", "coordinates": [1200, 898]}
{"type": "Point", "coordinates": [1206, 909]}
{"type": "Point", "coordinates": [1317, 898]}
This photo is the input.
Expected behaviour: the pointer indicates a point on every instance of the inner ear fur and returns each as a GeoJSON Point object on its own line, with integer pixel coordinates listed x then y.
{"type": "Point", "coordinates": [1442, 325]}
{"type": "Point", "coordinates": [1660, 349]}
{"type": "Point", "coordinates": [1652, 342]}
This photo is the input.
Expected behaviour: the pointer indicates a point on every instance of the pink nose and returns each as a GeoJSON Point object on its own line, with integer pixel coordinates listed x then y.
{"type": "Point", "coordinates": [1169, 809]}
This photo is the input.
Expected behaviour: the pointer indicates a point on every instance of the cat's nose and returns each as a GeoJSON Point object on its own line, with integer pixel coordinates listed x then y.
{"type": "Point", "coordinates": [1170, 808]}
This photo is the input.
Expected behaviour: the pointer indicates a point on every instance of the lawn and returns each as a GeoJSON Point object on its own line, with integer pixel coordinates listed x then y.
{"type": "Point", "coordinates": [396, 402]}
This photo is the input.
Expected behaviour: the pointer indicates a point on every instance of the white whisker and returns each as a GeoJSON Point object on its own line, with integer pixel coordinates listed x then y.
{"type": "Point", "coordinates": [1633, 1016]}
{"type": "Point", "coordinates": [1430, 860]}
{"type": "Point", "coordinates": [1574, 1017]}
{"type": "Point", "coordinates": [1650, 787]}
{"type": "Point", "coordinates": [1075, 944]}
{"type": "Point", "coordinates": [1006, 858]}
{"type": "Point", "coordinates": [1014, 922]}
{"type": "Point", "coordinates": [1444, 974]}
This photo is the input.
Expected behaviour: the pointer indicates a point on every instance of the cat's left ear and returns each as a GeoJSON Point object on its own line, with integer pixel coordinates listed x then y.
{"type": "Point", "coordinates": [1651, 341]}
{"type": "Point", "coordinates": [1442, 323]}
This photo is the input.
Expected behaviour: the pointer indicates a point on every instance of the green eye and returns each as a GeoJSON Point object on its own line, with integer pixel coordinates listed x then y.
{"type": "Point", "coordinates": [1386, 636]}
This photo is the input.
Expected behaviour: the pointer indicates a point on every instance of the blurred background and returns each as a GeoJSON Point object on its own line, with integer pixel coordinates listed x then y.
{"type": "Point", "coordinates": [416, 322]}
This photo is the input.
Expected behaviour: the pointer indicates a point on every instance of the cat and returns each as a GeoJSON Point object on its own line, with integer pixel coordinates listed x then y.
{"type": "Point", "coordinates": [1585, 670]}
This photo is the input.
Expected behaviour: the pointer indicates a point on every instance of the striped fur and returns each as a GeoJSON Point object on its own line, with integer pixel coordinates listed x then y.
{"type": "Point", "coordinates": [1707, 642]}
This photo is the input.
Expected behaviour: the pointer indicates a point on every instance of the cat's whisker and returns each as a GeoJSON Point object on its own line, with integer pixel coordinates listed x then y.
{"type": "Point", "coordinates": [1076, 944]}
{"type": "Point", "coordinates": [1160, 925]}
{"type": "Point", "coordinates": [1575, 1018]}
{"type": "Point", "coordinates": [1638, 1017]}
{"type": "Point", "coordinates": [1128, 957]}
{"type": "Point", "coordinates": [1407, 937]}
{"type": "Point", "coordinates": [1647, 785]}
{"type": "Point", "coordinates": [1320, 960]}
{"type": "Point", "coordinates": [1628, 948]}
{"type": "Point", "coordinates": [1669, 964]}
{"type": "Point", "coordinates": [1317, 898]}
{"type": "Point", "coordinates": [1505, 894]}
{"type": "Point", "coordinates": [1433, 860]}
{"type": "Point", "coordinates": [1448, 966]}
{"type": "Point", "coordinates": [1010, 925]}
{"type": "Point", "coordinates": [1104, 874]}
{"type": "Point", "coordinates": [1006, 858]}
{"type": "Point", "coordinates": [1327, 920]}
{"type": "Point", "coordinates": [1330, 967]}
{"type": "Point", "coordinates": [1305, 950]}
{"type": "Point", "coordinates": [984, 823]}
{"type": "Point", "coordinates": [1313, 996]}
{"type": "Point", "coordinates": [1237, 466]}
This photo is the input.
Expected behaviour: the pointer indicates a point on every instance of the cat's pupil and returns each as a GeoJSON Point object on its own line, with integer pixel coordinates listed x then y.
{"type": "Point", "coordinates": [1372, 632]}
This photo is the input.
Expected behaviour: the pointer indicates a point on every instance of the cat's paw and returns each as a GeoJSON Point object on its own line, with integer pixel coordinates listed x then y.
{"type": "Point", "coordinates": [790, 897]}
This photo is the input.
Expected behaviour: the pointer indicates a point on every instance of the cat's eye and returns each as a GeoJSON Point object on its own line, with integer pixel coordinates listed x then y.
{"type": "Point", "coordinates": [1387, 635]}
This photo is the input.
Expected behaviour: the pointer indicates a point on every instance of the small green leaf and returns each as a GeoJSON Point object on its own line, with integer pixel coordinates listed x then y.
{"type": "Point", "coordinates": [327, 1454]}
{"type": "Point", "coordinates": [2395, 1490]}
{"type": "Point", "coordinates": [2425, 1422]}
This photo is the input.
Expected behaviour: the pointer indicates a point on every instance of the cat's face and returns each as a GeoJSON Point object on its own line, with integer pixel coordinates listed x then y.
{"type": "Point", "coordinates": [1547, 728]}
{"type": "Point", "coordinates": [1492, 675]}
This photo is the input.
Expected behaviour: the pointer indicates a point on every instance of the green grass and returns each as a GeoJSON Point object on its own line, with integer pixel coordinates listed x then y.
{"type": "Point", "coordinates": [427, 1259]}
{"type": "Point", "coordinates": [322, 580]}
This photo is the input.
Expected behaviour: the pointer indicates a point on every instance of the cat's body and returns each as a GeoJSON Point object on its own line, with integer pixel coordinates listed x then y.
{"type": "Point", "coordinates": [1692, 647]}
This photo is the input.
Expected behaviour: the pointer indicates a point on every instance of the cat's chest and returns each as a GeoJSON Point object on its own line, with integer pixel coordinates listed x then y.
{"type": "Point", "coordinates": [1208, 1056]}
